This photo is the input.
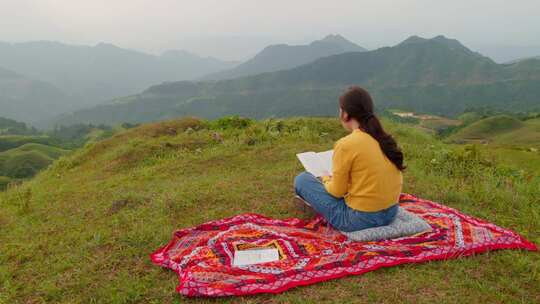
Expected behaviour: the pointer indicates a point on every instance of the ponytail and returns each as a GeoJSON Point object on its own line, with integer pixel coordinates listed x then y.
{"type": "Point", "coordinates": [357, 103]}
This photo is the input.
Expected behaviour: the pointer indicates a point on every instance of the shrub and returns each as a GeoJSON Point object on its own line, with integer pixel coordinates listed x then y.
{"type": "Point", "coordinates": [168, 127]}
{"type": "Point", "coordinates": [231, 122]}
{"type": "Point", "coordinates": [4, 181]}
{"type": "Point", "coordinates": [461, 162]}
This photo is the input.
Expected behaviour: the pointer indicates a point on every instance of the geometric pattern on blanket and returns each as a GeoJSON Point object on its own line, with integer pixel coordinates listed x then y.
{"type": "Point", "coordinates": [404, 224]}
{"type": "Point", "coordinates": [312, 251]}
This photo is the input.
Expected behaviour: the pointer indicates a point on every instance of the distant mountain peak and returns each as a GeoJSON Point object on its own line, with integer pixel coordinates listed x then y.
{"type": "Point", "coordinates": [413, 39]}
{"type": "Point", "coordinates": [439, 38]}
{"type": "Point", "coordinates": [334, 38]}
{"type": "Point", "coordinates": [106, 45]}
{"type": "Point", "coordinates": [453, 44]}
{"type": "Point", "coordinates": [340, 41]}
{"type": "Point", "coordinates": [277, 57]}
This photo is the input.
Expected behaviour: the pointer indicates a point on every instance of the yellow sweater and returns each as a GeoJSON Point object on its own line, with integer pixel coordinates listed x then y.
{"type": "Point", "coordinates": [362, 174]}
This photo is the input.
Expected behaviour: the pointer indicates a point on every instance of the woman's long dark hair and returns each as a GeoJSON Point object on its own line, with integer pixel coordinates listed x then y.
{"type": "Point", "coordinates": [357, 103]}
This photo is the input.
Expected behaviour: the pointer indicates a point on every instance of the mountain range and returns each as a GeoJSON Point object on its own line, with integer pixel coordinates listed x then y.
{"type": "Point", "coordinates": [437, 75]}
{"type": "Point", "coordinates": [84, 76]}
{"type": "Point", "coordinates": [282, 57]}
{"type": "Point", "coordinates": [93, 74]}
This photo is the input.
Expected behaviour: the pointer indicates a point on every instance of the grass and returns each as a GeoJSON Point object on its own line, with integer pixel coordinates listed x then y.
{"type": "Point", "coordinates": [521, 158]}
{"type": "Point", "coordinates": [81, 231]}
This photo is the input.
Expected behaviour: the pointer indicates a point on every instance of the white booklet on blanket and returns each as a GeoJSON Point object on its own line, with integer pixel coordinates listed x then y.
{"type": "Point", "coordinates": [318, 164]}
{"type": "Point", "coordinates": [255, 256]}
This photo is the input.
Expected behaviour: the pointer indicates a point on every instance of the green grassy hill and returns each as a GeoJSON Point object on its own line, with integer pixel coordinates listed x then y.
{"type": "Point", "coordinates": [82, 230]}
{"type": "Point", "coordinates": [527, 135]}
{"type": "Point", "coordinates": [49, 151]}
{"type": "Point", "coordinates": [8, 142]}
{"type": "Point", "coordinates": [26, 160]}
{"type": "Point", "coordinates": [501, 130]}
{"type": "Point", "coordinates": [22, 156]}
{"type": "Point", "coordinates": [24, 151]}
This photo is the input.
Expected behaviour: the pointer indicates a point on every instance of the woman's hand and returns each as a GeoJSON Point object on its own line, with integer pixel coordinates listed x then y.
{"type": "Point", "coordinates": [324, 178]}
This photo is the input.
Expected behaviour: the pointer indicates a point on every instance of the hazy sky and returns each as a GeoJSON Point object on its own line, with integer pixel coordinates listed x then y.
{"type": "Point", "coordinates": [234, 29]}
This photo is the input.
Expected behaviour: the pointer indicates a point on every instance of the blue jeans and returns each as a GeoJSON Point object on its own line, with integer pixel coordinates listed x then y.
{"type": "Point", "coordinates": [335, 210]}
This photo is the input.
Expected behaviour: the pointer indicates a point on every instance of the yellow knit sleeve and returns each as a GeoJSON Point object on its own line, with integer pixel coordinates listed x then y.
{"type": "Point", "coordinates": [342, 160]}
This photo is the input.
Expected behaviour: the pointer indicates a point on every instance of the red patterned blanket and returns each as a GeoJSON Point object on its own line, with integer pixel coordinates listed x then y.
{"type": "Point", "coordinates": [312, 251]}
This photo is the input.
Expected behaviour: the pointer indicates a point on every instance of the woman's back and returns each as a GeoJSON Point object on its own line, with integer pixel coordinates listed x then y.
{"type": "Point", "coordinates": [372, 182]}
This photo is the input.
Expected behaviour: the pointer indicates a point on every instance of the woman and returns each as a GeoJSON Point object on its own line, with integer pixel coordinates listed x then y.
{"type": "Point", "coordinates": [364, 188]}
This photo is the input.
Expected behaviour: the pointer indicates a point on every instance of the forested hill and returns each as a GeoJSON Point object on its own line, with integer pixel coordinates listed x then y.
{"type": "Point", "coordinates": [13, 127]}
{"type": "Point", "coordinates": [437, 75]}
{"type": "Point", "coordinates": [282, 56]}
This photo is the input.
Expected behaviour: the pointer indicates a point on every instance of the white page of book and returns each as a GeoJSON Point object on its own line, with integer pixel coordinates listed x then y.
{"type": "Point", "coordinates": [318, 164]}
{"type": "Point", "coordinates": [326, 160]}
{"type": "Point", "coordinates": [255, 256]}
{"type": "Point", "coordinates": [311, 163]}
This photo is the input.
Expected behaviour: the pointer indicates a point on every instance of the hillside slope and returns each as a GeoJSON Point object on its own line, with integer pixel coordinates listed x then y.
{"type": "Point", "coordinates": [282, 56]}
{"type": "Point", "coordinates": [438, 76]}
{"type": "Point", "coordinates": [81, 231]}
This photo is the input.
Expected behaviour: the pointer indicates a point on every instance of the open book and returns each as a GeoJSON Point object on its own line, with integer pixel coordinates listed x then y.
{"type": "Point", "coordinates": [318, 164]}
